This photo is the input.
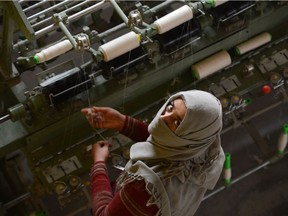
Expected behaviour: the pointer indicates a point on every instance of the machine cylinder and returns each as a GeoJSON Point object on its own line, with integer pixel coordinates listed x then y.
{"type": "Point", "coordinates": [211, 64]}
{"type": "Point", "coordinates": [173, 19]}
{"type": "Point", "coordinates": [253, 43]}
{"type": "Point", "coordinates": [120, 46]}
{"type": "Point", "coordinates": [53, 51]}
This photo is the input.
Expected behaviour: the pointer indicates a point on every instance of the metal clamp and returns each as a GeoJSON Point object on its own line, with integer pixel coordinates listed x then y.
{"type": "Point", "coordinates": [82, 42]}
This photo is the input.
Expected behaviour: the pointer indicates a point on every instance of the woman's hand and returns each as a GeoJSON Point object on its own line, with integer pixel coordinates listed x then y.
{"type": "Point", "coordinates": [104, 117]}
{"type": "Point", "coordinates": [100, 151]}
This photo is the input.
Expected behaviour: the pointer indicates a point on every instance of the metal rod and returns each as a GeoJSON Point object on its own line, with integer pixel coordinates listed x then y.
{"type": "Point", "coordinates": [112, 30]}
{"type": "Point", "coordinates": [4, 118]}
{"type": "Point", "coordinates": [23, 1]}
{"type": "Point", "coordinates": [214, 192]}
{"type": "Point", "coordinates": [119, 11]}
{"type": "Point", "coordinates": [91, 9]}
{"type": "Point", "coordinates": [49, 9]}
{"type": "Point", "coordinates": [86, 11]}
{"type": "Point", "coordinates": [65, 11]}
{"type": "Point", "coordinates": [250, 172]}
{"type": "Point", "coordinates": [35, 5]}
{"type": "Point", "coordinates": [160, 6]}
{"type": "Point", "coordinates": [233, 15]}
{"type": "Point", "coordinates": [68, 34]}
{"type": "Point", "coordinates": [17, 200]}
{"type": "Point", "coordinates": [243, 176]}
{"type": "Point", "coordinates": [71, 18]}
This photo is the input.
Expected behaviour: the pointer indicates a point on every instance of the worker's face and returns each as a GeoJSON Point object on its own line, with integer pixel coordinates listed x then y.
{"type": "Point", "coordinates": [174, 113]}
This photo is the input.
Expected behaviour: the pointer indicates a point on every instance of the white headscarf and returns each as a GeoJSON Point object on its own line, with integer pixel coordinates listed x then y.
{"type": "Point", "coordinates": [199, 128]}
{"type": "Point", "coordinates": [189, 159]}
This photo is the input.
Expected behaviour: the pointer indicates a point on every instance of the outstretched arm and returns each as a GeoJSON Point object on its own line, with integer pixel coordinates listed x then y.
{"type": "Point", "coordinates": [109, 118]}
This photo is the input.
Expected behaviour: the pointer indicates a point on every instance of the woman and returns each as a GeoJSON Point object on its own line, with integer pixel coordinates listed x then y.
{"type": "Point", "coordinates": [169, 173]}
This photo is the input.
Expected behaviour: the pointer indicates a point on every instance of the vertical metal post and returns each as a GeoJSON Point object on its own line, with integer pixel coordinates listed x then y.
{"type": "Point", "coordinates": [6, 46]}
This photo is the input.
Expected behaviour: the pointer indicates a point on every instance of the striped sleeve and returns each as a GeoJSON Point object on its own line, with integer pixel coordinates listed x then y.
{"type": "Point", "coordinates": [135, 129]}
{"type": "Point", "coordinates": [100, 189]}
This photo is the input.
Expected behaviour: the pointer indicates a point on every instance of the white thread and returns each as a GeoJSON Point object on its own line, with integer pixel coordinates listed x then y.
{"type": "Point", "coordinates": [91, 113]}
{"type": "Point", "coordinates": [100, 135]}
{"type": "Point", "coordinates": [219, 2]}
{"type": "Point", "coordinates": [53, 51]}
{"type": "Point", "coordinates": [173, 19]}
{"type": "Point", "coordinates": [253, 43]}
{"type": "Point", "coordinates": [211, 64]}
{"type": "Point", "coordinates": [120, 46]}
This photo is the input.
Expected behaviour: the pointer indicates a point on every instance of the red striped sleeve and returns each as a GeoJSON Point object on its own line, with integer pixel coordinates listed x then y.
{"type": "Point", "coordinates": [134, 129]}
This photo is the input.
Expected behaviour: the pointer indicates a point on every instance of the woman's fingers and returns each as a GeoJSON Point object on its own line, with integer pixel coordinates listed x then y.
{"type": "Point", "coordinates": [97, 120]}
{"type": "Point", "coordinates": [103, 143]}
{"type": "Point", "coordinates": [86, 111]}
{"type": "Point", "coordinates": [100, 151]}
{"type": "Point", "coordinates": [94, 116]}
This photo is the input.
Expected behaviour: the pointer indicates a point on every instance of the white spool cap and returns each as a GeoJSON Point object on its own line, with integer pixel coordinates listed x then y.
{"type": "Point", "coordinates": [211, 64]}
{"type": "Point", "coordinates": [282, 142]}
{"type": "Point", "coordinates": [253, 43]}
{"type": "Point", "coordinates": [227, 174]}
{"type": "Point", "coordinates": [53, 51]}
{"type": "Point", "coordinates": [173, 19]}
{"type": "Point", "coordinates": [216, 3]}
{"type": "Point", "coordinates": [283, 139]}
{"type": "Point", "coordinates": [120, 46]}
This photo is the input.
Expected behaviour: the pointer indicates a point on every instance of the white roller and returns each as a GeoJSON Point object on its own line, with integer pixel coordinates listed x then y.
{"type": "Point", "coordinates": [173, 19]}
{"type": "Point", "coordinates": [120, 46]}
{"type": "Point", "coordinates": [211, 64]}
{"type": "Point", "coordinates": [216, 3]}
{"type": "Point", "coordinates": [53, 51]}
{"type": "Point", "coordinates": [253, 43]}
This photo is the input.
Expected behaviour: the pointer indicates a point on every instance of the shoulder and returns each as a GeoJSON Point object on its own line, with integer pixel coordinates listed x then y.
{"type": "Point", "coordinates": [135, 197]}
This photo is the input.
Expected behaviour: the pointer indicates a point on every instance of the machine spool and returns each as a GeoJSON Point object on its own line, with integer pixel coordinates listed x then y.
{"type": "Point", "coordinates": [211, 64]}
{"type": "Point", "coordinates": [120, 46]}
{"type": "Point", "coordinates": [53, 51]}
{"type": "Point", "coordinates": [253, 43]}
{"type": "Point", "coordinates": [216, 3]}
{"type": "Point", "coordinates": [17, 112]}
{"type": "Point", "coordinates": [275, 78]}
{"type": "Point", "coordinates": [225, 102]}
{"type": "Point", "coordinates": [74, 181]}
{"type": "Point", "coordinates": [235, 99]}
{"type": "Point", "coordinates": [227, 174]}
{"type": "Point", "coordinates": [60, 188]}
{"type": "Point", "coordinates": [173, 19]}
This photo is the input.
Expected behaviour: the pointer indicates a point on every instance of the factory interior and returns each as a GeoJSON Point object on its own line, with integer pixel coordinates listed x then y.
{"type": "Point", "coordinates": [57, 57]}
